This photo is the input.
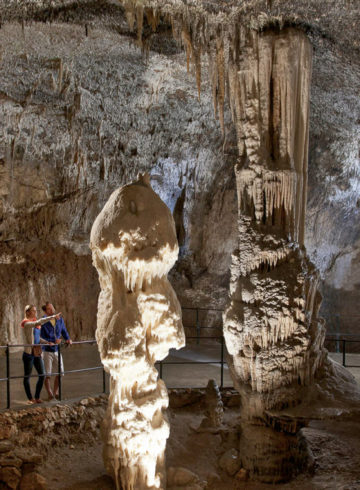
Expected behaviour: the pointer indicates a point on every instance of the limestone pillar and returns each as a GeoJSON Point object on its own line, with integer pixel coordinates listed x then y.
{"type": "Point", "coordinates": [134, 245]}
{"type": "Point", "coordinates": [272, 331]}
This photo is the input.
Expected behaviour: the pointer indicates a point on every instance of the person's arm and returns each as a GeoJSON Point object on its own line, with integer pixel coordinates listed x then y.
{"type": "Point", "coordinates": [65, 333]}
{"type": "Point", "coordinates": [38, 323]}
{"type": "Point", "coordinates": [43, 341]}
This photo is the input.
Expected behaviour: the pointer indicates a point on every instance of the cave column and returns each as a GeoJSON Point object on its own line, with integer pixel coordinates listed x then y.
{"type": "Point", "coordinates": [271, 328]}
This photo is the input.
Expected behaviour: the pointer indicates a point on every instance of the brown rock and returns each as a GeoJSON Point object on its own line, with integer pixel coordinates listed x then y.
{"type": "Point", "coordinates": [10, 460]}
{"type": "Point", "coordinates": [10, 475]}
{"type": "Point", "coordinates": [6, 446]}
{"type": "Point", "coordinates": [234, 401]}
{"type": "Point", "coordinates": [33, 481]}
{"type": "Point", "coordinates": [181, 477]}
{"type": "Point", "coordinates": [7, 430]}
{"type": "Point", "coordinates": [229, 462]}
{"type": "Point", "coordinates": [28, 456]}
{"type": "Point", "coordinates": [183, 398]}
{"type": "Point", "coordinates": [242, 474]}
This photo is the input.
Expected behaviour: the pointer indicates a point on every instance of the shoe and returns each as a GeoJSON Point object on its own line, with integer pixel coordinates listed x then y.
{"type": "Point", "coordinates": [37, 400]}
{"type": "Point", "coordinates": [50, 398]}
{"type": "Point", "coordinates": [31, 402]}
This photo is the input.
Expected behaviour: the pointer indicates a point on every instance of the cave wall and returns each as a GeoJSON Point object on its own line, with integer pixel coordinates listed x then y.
{"type": "Point", "coordinates": [80, 116]}
{"type": "Point", "coordinates": [83, 110]}
{"type": "Point", "coordinates": [333, 210]}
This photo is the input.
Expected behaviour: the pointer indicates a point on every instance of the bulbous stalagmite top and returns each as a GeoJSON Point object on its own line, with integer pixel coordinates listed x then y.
{"type": "Point", "coordinates": [136, 232]}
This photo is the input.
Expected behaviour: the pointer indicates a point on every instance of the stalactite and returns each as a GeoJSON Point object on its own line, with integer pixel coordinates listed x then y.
{"type": "Point", "coordinates": [188, 47]}
{"type": "Point", "coordinates": [197, 64]}
{"type": "Point", "coordinates": [221, 80]}
{"type": "Point", "coordinates": [152, 17]}
{"type": "Point", "coordinates": [139, 23]}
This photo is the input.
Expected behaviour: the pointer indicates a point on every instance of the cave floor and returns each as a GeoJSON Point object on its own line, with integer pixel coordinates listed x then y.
{"type": "Point", "coordinates": [174, 375]}
{"type": "Point", "coordinates": [335, 447]}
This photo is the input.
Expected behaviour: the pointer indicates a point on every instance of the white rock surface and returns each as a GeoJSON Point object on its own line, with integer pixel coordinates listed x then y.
{"type": "Point", "coordinates": [134, 245]}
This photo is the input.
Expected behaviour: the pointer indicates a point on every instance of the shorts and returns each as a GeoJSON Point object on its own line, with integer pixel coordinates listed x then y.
{"type": "Point", "coordinates": [51, 362]}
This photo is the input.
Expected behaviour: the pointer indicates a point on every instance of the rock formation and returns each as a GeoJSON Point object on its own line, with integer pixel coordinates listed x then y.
{"type": "Point", "coordinates": [134, 245]}
{"type": "Point", "coordinates": [82, 113]}
{"type": "Point", "coordinates": [271, 327]}
{"type": "Point", "coordinates": [214, 406]}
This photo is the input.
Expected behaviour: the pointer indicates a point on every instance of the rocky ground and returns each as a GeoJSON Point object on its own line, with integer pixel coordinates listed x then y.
{"type": "Point", "coordinates": [59, 447]}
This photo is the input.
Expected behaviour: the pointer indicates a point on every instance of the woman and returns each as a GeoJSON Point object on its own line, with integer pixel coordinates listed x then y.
{"type": "Point", "coordinates": [32, 354]}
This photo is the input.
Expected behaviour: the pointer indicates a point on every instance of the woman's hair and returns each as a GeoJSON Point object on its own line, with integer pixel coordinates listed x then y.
{"type": "Point", "coordinates": [28, 308]}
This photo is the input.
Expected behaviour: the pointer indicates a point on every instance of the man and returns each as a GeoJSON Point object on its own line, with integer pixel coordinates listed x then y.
{"type": "Point", "coordinates": [52, 331]}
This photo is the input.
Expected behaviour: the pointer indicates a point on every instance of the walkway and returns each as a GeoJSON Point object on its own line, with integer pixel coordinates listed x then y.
{"type": "Point", "coordinates": [175, 375]}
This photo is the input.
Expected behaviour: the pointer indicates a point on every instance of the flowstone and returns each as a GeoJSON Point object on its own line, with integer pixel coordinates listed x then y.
{"type": "Point", "coordinates": [134, 245]}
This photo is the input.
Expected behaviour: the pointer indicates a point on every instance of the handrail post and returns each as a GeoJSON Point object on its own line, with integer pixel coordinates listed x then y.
{"type": "Point", "coordinates": [59, 369]}
{"type": "Point", "coordinates": [343, 351]}
{"type": "Point", "coordinates": [197, 326]}
{"type": "Point", "coordinates": [7, 376]}
{"type": "Point", "coordinates": [222, 363]}
{"type": "Point", "coordinates": [104, 380]}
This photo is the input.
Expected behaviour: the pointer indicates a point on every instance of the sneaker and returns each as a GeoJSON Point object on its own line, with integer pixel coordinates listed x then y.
{"type": "Point", "coordinates": [37, 400]}
{"type": "Point", "coordinates": [31, 402]}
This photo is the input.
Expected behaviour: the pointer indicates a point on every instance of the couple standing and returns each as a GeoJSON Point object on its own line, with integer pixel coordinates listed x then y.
{"type": "Point", "coordinates": [47, 332]}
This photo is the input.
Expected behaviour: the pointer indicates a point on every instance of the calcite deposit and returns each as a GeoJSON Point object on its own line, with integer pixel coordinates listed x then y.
{"type": "Point", "coordinates": [134, 245]}
{"type": "Point", "coordinates": [271, 327]}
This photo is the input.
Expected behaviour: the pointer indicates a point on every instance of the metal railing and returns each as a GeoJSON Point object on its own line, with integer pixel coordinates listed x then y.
{"type": "Point", "coordinates": [222, 362]}
{"type": "Point", "coordinates": [160, 364]}
{"type": "Point", "coordinates": [197, 325]}
{"type": "Point", "coordinates": [342, 340]}
{"type": "Point", "coordinates": [60, 372]}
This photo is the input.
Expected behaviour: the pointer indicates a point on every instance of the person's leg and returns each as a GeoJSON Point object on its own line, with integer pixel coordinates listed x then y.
{"type": "Point", "coordinates": [56, 386]}
{"type": "Point", "coordinates": [48, 365]}
{"type": "Point", "coordinates": [56, 382]}
{"type": "Point", "coordinates": [39, 366]}
{"type": "Point", "coordinates": [28, 361]}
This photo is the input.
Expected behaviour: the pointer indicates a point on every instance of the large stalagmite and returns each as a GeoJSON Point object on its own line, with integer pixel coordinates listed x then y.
{"type": "Point", "coordinates": [134, 245]}
{"type": "Point", "coordinates": [272, 331]}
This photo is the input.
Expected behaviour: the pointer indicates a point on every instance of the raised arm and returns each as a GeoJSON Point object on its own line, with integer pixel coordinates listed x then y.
{"type": "Point", "coordinates": [39, 322]}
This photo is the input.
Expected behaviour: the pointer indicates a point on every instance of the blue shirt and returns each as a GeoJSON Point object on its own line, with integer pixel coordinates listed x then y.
{"type": "Point", "coordinates": [37, 335]}
{"type": "Point", "coordinates": [50, 334]}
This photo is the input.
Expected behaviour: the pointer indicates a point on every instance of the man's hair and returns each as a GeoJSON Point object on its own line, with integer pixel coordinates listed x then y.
{"type": "Point", "coordinates": [45, 306]}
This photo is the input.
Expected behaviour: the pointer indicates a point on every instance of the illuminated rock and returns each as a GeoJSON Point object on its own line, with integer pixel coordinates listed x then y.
{"type": "Point", "coordinates": [134, 245]}
{"type": "Point", "coordinates": [271, 327]}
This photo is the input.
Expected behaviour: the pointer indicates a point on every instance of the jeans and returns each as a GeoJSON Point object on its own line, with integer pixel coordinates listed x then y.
{"type": "Point", "coordinates": [29, 361]}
